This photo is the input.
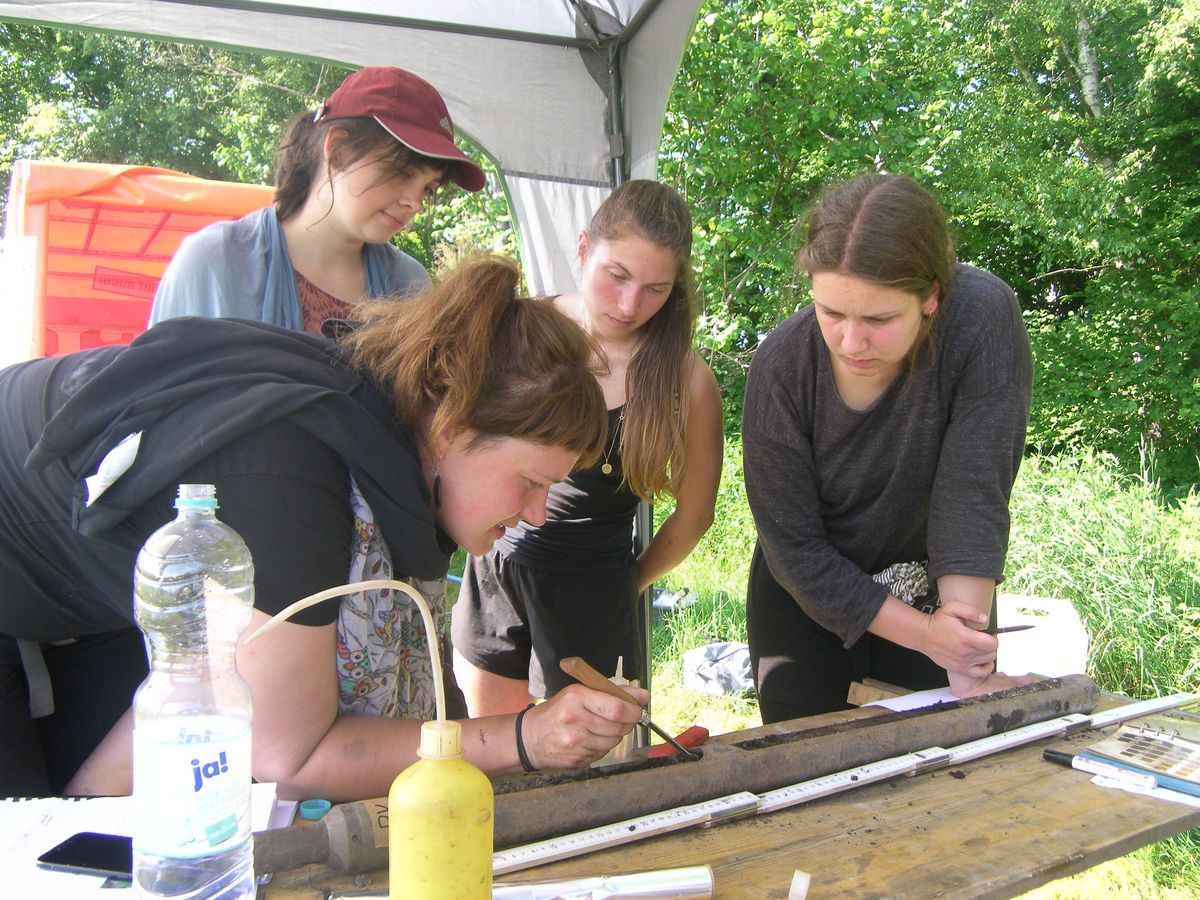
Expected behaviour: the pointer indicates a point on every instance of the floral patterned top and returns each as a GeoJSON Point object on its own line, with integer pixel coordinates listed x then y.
{"type": "Point", "coordinates": [383, 661]}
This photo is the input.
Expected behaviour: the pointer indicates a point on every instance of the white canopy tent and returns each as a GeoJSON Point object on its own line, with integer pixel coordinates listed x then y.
{"type": "Point", "coordinates": [566, 96]}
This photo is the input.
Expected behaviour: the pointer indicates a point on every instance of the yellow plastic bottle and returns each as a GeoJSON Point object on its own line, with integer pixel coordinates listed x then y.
{"type": "Point", "coordinates": [440, 823]}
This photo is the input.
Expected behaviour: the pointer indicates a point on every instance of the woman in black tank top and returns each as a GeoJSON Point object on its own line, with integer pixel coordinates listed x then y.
{"type": "Point", "coordinates": [568, 586]}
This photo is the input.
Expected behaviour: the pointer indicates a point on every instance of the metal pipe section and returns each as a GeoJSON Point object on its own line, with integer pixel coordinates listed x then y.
{"type": "Point", "coordinates": [537, 807]}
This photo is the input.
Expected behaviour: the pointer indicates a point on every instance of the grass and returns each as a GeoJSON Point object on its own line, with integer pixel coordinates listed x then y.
{"type": "Point", "coordinates": [1128, 560]}
{"type": "Point", "coordinates": [1129, 564]}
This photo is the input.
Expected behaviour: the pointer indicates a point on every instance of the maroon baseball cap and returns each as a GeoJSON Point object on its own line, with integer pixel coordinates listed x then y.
{"type": "Point", "coordinates": [410, 109]}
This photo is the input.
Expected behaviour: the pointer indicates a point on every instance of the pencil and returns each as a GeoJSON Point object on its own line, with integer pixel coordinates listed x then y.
{"type": "Point", "coordinates": [1006, 629]}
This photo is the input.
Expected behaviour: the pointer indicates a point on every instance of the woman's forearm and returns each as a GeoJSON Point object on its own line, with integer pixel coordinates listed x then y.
{"type": "Point", "coordinates": [978, 592]}
{"type": "Point", "coordinates": [359, 756]}
{"type": "Point", "coordinates": [108, 771]}
{"type": "Point", "coordinates": [696, 497]}
{"type": "Point", "coordinates": [899, 623]}
{"type": "Point", "coordinates": [950, 637]}
{"type": "Point", "coordinates": [672, 543]}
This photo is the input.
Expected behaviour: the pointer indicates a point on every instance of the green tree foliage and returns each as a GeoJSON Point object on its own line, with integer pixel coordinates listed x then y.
{"type": "Point", "coordinates": [103, 98]}
{"type": "Point", "coordinates": [775, 99]}
{"type": "Point", "coordinates": [1096, 214]}
{"type": "Point", "coordinates": [1061, 135]}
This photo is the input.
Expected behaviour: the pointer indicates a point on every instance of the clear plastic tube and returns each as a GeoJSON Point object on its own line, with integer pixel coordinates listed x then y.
{"type": "Point", "coordinates": [435, 653]}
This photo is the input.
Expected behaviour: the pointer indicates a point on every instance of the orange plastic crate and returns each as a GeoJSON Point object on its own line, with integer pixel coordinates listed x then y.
{"type": "Point", "coordinates": [91, 242]}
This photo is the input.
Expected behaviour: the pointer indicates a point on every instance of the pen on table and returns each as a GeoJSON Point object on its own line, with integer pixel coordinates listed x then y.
{"type": "Point", "coordinates": [1095, 767]}
{"type": "Point", "coordinates": [1007, 629]}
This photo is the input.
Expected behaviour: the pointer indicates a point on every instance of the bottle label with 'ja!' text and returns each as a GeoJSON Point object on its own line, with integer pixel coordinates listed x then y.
{"type": "Point", "coordinates": [190, 799]}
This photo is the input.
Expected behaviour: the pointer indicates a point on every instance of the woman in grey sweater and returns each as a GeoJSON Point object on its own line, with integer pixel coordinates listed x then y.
{"type": "Point", "coordinates": [882, 431]}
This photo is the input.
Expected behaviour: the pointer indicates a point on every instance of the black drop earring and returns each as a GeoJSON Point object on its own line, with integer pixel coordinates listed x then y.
{"type": "Point", "coordinates": [437, 487]}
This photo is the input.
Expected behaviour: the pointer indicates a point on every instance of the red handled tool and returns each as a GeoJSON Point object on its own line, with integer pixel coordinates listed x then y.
{"type": "Point", "coordinates": [693, 737]}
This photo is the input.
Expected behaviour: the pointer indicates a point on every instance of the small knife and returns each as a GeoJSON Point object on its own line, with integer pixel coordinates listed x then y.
{"type": "Point", "coordinates": [578, 669]}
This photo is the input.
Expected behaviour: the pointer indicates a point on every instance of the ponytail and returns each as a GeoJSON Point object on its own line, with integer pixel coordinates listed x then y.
{"type": "Point", "coordinates": [471, 354]}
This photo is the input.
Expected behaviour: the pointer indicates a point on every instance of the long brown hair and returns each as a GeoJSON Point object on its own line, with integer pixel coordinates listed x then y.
{"type": "Point", "coordinates": [656, 398]}
{"type": "Point", "coordinates": [885, 229]}
{"type": "Point", "coordinates": [300, 157]}
{"type": "Point", "coordinates": [471, 354]}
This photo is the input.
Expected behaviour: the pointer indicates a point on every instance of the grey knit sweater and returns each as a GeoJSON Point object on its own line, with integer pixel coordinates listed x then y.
{"type": "Point", "coordinates": [924, 473]}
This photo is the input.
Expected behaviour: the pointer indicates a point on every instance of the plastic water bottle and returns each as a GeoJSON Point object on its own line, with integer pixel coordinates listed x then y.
{"type": "Point", "coordinates": [193, 596]}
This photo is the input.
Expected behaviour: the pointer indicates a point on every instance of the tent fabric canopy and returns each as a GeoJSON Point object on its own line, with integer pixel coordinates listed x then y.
{"type": "Point", "coordinates": [565, 96]}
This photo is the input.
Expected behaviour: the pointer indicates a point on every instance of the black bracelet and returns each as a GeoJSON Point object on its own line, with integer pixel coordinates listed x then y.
{"type": "Point", "coordinates": [521, 754]}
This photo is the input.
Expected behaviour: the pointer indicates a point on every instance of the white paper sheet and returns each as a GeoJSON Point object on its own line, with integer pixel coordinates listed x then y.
{"type": "Point", "coordinates": [916, 700]}
{"type": "Point", "coordinates": [1160, 792]}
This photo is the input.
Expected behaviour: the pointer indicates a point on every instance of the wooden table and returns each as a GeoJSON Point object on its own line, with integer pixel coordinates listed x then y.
{"type": "Point", "coordinates": [996, 827]}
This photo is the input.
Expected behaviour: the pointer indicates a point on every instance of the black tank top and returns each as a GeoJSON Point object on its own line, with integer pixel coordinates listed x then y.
{"type": "Point", "coordinates": [589, 519]}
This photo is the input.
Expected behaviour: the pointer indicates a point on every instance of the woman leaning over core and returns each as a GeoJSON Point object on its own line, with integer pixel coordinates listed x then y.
{"type": "Point", "coordinates": [882, 432]}
{"type": "Point", "coordinates": [569, 586]}
{"type": "Point", "coordinates": [348, 178]}
{"type": "Point", "coordinates": [441, 421]}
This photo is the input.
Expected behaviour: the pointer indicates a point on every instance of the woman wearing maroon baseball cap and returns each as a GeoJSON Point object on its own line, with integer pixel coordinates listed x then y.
{"type": "Point", "coordinates": [347, 180]}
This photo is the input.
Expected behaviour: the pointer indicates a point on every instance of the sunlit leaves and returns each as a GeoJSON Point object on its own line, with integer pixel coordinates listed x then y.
{"type": "Point", "coordinates": [1092, 218]}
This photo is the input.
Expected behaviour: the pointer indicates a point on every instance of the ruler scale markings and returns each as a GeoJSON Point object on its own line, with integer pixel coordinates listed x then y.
{"type": "Point", "coordinates": [553, 849]}
{"type": "Point", "coordinates": [972, 750]}
{"type": "Point", "coordinates": [1141, 708]}
{"type": "Point", "coordinates": [826, 785]}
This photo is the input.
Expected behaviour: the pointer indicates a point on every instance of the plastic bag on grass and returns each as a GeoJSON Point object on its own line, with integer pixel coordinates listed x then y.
{"type": "Point", "coordinates": [718, 668]}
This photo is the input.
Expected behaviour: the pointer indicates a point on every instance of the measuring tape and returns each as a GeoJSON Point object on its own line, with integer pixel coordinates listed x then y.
{"type": "Point", "coordinates": [919, 761]}
{"type": "Point", "coordinates": [1141, 708]}
{"type": "Point", "coordinates": [706, 813]}
{"type": "Point", "coordinates": [794, 794]}
{"type": "Point", "coordinates": [722, 809]}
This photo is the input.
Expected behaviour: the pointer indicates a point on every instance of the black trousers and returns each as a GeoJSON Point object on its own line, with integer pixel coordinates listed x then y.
{"type": "Point", "coordinates": [517, 621]}
{"type": "Point", "coordinates": [93, 679]}
{"type": "Point", "coordinates": [801, 669]}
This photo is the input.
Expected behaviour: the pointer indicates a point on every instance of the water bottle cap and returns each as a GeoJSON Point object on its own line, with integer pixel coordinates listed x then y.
{"type": "Point", "coordinates": [314, 810]}
{"type": "Point", "coordinates": [196, 496]}
{"type": "Point", "coordinates": [440, 740]}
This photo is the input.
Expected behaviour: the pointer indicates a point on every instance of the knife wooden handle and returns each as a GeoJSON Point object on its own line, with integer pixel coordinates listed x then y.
{"type": "Point", "coordinates": [578, 669]}
{"type": "Point", "coordinates": [581, 671]}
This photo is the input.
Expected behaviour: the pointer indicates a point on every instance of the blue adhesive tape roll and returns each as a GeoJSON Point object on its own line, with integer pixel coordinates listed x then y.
{"type": "Point", "coordinates": [314, 809]}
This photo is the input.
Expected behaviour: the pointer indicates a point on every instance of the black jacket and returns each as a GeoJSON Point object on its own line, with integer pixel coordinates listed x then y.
{"type": "Point", "coordinates": [277, 411]}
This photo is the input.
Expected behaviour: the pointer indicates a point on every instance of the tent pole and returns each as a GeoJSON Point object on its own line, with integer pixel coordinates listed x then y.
{"type": "Point", "coordinates": [616, 115]}
{"type": "Point", "coordinates": [643, 522]}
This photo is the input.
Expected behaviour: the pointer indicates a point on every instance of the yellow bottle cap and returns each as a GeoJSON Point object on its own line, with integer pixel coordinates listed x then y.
{"type": "Point", "coordinates": [440, 740]}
